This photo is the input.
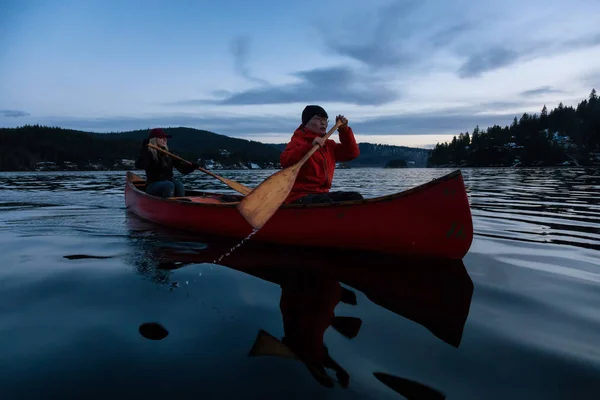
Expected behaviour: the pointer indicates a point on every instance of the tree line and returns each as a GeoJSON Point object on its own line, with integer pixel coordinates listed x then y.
{"type": "Point", "coordinates": [565, 135]}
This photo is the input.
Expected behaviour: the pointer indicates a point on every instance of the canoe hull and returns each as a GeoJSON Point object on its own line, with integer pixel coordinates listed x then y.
{"type": "Point", "coordinates": [433, 219]}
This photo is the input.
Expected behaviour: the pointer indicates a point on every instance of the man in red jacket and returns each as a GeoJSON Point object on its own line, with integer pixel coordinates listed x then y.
{"type": "Point", "coordinates": [314, 178]}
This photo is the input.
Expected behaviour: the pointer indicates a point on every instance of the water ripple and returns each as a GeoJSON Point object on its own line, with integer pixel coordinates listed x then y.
{"type": "Point", "coordinates": [80, 279]}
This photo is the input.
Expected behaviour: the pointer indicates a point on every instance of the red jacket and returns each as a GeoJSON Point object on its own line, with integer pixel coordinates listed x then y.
{"type": "Point", "coordinates": [316, 174]}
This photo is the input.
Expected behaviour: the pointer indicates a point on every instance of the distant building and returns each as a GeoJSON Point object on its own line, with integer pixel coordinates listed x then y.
{"type": "Point", "coordinates": [46, 166]}
{"type": "Point", "coordinates": [71, 166]}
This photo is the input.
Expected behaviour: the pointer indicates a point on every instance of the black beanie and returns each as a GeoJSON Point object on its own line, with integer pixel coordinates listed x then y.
{"type": "Point", "coordinates": [311, 111]}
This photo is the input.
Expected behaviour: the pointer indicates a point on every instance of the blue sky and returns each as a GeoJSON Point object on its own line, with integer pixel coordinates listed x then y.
{"type": "Point", "coordinates": [402, 72]}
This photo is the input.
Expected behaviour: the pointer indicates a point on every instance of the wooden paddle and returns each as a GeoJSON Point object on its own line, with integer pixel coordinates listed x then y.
{"type": "Point", "coordinates": [266, 198]}
{"type": "Point", "coordinates": [238, 187]}
{"type": "Point", "coordinates": [266, 344]}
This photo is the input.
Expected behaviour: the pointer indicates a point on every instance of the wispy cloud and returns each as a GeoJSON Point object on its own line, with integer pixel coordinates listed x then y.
{"type": "Point", "coordinates": [402, 43]}
{"type": "Point", "coordinates": [592, 80]}
{"type": "Point", "coordinates": [240, 49]}
{"type": "Point", "coordinates": [428, 123]}
{"type": "Point", "coordinates": [540, 91]}
{"type": "Point", "coordinates": [14, 113]}
{"type": "Point", "coordinates": [448, 35]}
{"type": "Point", "coordinates": [582, 42]}
{"type": "Point", "coordinates": [383, 49]}
{"type": "Point", "coordinates": [405, 39]}
{"type": "Point", "coordinates": [335, 84]}
{"type": "Point", "coordinates": [487, 60]}
{"type": "Point", "coordinates": [501, 56]}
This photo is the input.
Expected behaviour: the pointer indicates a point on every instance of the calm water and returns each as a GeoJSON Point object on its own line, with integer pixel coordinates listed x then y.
{"type": "Point", "coordinates": [82, 281]}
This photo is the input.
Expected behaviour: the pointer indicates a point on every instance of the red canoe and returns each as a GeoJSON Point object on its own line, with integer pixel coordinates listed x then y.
{"type": "Point", "coordinates": [433, 219]}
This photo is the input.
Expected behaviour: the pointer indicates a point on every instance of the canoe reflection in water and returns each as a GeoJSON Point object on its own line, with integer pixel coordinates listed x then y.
{"type": "Point", "coordinates": [435, 293]}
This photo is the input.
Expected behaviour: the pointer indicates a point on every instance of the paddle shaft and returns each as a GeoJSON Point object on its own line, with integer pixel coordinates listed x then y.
{"type": "Point", "coordinates": [238, 187]}
{"type": "Point", "coordinates": [316, 146]}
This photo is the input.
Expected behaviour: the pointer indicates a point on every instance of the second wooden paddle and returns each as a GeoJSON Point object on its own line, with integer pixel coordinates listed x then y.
{"type": "Point", "coordinates": [238, 187]}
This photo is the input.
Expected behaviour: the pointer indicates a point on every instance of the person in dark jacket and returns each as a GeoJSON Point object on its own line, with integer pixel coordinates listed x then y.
{"type": "Point", "coordinates": [159, 167]}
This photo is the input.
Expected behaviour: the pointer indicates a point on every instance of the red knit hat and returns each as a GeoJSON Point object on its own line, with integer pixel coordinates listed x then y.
{"type": "Point", "coordinates": [158, 133]}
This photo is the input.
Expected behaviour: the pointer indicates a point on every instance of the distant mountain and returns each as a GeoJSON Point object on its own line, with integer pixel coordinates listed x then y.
{"type": "Point", "coordinates": [379, 155]}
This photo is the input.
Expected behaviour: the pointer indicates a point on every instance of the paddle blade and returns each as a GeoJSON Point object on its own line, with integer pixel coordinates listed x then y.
{"type": "Point", "coordinates": [409, 389]}
{"type": "Point", "coordinates": [260, 205]}
{"type": "Point", "coordinates": [267, 345]}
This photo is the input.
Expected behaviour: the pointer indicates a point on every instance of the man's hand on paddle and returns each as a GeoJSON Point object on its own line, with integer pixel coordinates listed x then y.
{"type": "Point", "coordinates": [320, 141]}
{"type": "Point", "coordinates": [343, 119]}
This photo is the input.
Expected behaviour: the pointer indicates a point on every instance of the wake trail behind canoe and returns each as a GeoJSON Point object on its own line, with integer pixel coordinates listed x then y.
{"type": "Point", "coordinates": [237, 246]}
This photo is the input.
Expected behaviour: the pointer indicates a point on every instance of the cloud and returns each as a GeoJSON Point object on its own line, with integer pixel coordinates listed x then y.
{"type": "Point", "coordinates": [487, 60]}
{"type": "Point", "coordinates": [592, 80]}
{"type": "Point", "coordinates": [582, 42]}
{"type": "Point", "coordinates": [429, 123]}
{"type": "Point", "coordinates": [332, 84]}
{"type": "Point", "coordinates": [383, 49]}
{"type": "Point", "coordinates": [446, 36]}
{"type": "Point", "coordinates": [240, 49]}
{"type": "Point", "coordinates": [540, 91]}
{"type": "Point", "coordinates": [14, 113]}
{"type": "Point", "coordinates": [402, 42]}
{"type": "Point", "coordinates": [404, 39]}
{"type": "Point", "coordinates": [501, 56]}
{"type": "Point", "coordinates": [447, 121]}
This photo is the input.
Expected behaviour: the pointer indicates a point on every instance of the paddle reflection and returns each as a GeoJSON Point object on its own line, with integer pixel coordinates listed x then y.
{"type": "Point", "coordinates": [431, 292]}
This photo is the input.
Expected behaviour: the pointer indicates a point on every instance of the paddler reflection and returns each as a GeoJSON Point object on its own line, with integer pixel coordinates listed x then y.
{"type": "Point", "coordinates": [434, 293]}
{"type": "Point", "coordinates": [307, 304]}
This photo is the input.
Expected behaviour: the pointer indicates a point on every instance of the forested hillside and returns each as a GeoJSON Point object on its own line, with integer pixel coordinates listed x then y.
{"type": "Point", "coordinates": [564, 135]}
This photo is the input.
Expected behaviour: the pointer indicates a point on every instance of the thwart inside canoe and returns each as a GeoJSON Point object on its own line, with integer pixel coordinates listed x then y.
{"type": "Point", "coordinates": [202, 199]}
